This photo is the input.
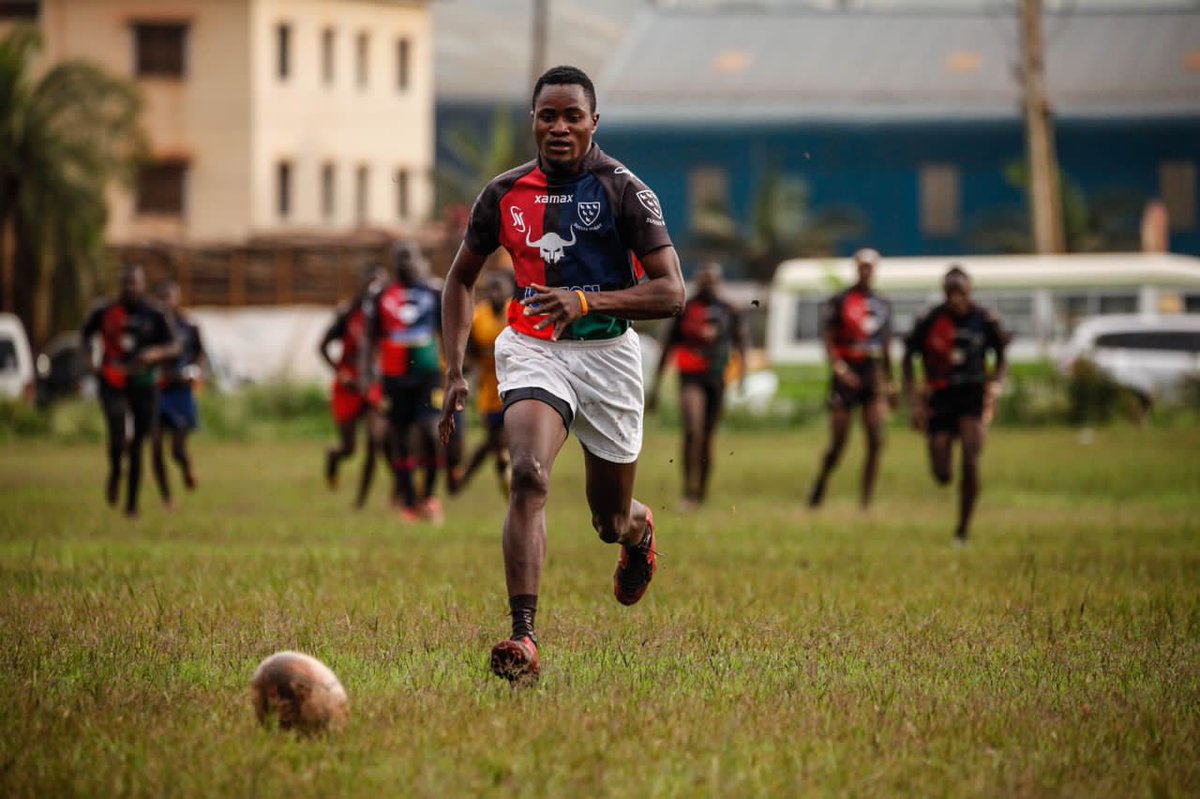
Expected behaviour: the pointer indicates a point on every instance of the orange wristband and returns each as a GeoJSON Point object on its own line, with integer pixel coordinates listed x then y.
{"type": "Point", "coordinates": [582, 303]}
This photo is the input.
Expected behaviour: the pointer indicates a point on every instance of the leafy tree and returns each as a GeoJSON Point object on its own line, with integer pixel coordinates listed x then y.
{"type": "Point", "coordinates": [479, 157]}
{"type": "Point", "coordinates": [65, 136]}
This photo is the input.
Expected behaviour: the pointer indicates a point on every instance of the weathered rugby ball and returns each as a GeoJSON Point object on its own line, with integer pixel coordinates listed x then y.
{"type": "Point", "coordinates": [297, 692]}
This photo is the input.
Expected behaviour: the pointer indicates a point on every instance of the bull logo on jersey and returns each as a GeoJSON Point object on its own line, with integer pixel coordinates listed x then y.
{"type": "Point", "coordinates": [551, 246]}
{"type": "Point", "coordinates": [588, 212]}
{"type": "Point", "coordinates": [518, 218]}
{"type": "Point", "coordinates": [649, 201]}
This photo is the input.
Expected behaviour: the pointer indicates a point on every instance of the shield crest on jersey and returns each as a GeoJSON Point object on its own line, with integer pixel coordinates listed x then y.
{"type": "Point", "coordinates": [650, 202]}
{"type": "Point", "coordinates": [588, 213]}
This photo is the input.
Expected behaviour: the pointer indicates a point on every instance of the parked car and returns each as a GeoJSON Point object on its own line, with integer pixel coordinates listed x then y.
{"type": "Point", "coordinates": [1152, 355]}
{"type": "Point", "coordinates": [61, 372]}
{"type": "Point", "coordinates": [16, 361]}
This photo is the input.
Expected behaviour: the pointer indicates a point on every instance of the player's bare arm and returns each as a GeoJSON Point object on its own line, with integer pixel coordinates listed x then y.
{"type": "Point", "coordinates": [660, 296]}
{"type": "Point", "coordinates": [458, 304]}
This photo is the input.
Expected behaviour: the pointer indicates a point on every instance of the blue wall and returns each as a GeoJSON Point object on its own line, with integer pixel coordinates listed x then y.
{"type": "Point", "coordinates": [873, 168]}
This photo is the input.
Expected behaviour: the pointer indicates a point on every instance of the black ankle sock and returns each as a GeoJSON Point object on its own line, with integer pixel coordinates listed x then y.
{"type": "Point", "coordinates": [524, 610]}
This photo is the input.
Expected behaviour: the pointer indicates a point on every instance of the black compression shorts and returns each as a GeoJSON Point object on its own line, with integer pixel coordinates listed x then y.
{"type": "Point", "coordinates": [714, 394]}
{"type": "Point", "coordinates": [948, 406]}
{"type": "Point", "coordinates": [843, 397]}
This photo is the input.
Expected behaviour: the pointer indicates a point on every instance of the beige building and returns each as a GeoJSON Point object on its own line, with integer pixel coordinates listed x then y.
{"type": "Point", "coordinates": [266, 117]}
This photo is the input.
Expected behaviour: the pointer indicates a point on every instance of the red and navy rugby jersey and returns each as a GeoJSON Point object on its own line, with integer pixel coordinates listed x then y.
{"type": "Point", "coordinates": [954, 349]}
{"type": "Point", "coordinates": [349, 327]}
{"type": "Point", "coordinates": [126, 330]}
{"type": "Point", "coordinates": [702, 337]}
{"type": "Point", "coordinates": [860, 322]}
{"type": "Point", "coordinates": [406, 321]}
{"type": "Point", "coordinates": [583, 232]}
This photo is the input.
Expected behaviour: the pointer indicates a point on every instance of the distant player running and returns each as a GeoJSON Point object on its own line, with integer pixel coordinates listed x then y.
{"type": "Point", "coordinates": [953, 340]}
{"type": "Point", "coordinates": [135, 338]}
{"type": "Point", "coordinates": [701, 341]}
{"type": "Point", "coordinates": [857, 331]}
{"type": "Point", "coordinates": [583, 232]}
{"type": "Point", "coordinates": [177, 402]}
{"type": "Point", "coordinates": [403, 325]}
{"type": "Point", "coordinates": [354, 399]}
{"type": "Point", "coordinates": [489, 320]}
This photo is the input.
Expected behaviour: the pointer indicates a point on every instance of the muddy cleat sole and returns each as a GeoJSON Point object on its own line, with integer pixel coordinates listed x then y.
{"type": "Point", "coordinates": [636, 567]}
{"type": "Point", "coordinates": [517, 661]}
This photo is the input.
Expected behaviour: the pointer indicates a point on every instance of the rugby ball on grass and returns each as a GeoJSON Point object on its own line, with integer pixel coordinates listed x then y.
{"type": "Point", "coordinates": [298, 692]}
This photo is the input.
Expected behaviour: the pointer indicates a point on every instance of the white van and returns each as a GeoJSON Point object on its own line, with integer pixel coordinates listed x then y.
{"type": "Point", "coordinates": [1152, 355]}
{"type": "Point", "coordinates": [16, 361]}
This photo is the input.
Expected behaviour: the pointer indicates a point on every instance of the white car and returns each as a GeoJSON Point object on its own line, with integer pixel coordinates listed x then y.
{"type": "Point", "coordinates": [16, 360]}
{"type": "Point", "coordinates": [1152, 355]}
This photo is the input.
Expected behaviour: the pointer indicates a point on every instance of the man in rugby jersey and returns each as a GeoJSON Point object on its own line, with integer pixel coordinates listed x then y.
{"type": "Point", "coordinates": [489, 320]}
{"type": "Point", "coordinates": [403, 324]}
{"type": "Point", "coordinates": [135, 339]}
{"type": "Point", "coordinates": [857, 332]}
{"type": "Point", "coordinates": [701, 341]}
{"type": "Point", "coordinates": [177, 400]}
{"type": "Point", "coordinates": [590, 252]}
{"type": "Point", "coordinates": [354, 399]}
{"type": "Point", "coordinates": [953, 341]}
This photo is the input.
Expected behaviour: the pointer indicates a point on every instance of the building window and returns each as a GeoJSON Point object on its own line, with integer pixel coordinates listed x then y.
{"type": "Point", "coordinates": [939, 200]}
{"type": "Point", "coordinates": [19, 9]}
{"type": "Point", "coordinates": [362, 58]}
{"type": "Point", "coordinates": [283, 185]}
{"type": "Point", "coordinates": [328, 177]}
{"type": "Point", "coordinates": [402, 193]}
{"type": "Point", "coordinates": [159, 50]}
{"type": "Point", "coordinates": [327, 56]}
{"type": "Point", "coordinates": [1177, 184]}
{"type": "Point", "coordinates": [402, 53]}
{"type": "Point", "coordinates": [361, 186]}
{"type": "Point", "coordinates": [708, 199]}
{"type": "Point", "coordinates": [161, 188]}
{"type": "Point", "coordinates": [283, 39]}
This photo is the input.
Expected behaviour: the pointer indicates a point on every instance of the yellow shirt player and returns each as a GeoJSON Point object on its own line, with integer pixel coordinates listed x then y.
{"type": "Point", "coordinates": [489, 320]}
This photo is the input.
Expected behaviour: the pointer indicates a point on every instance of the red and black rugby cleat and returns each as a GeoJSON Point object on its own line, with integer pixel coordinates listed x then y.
{"type": "Point", "coordinates": [636, 567]}
{"type": "Point", "coordinates": [517, 661]}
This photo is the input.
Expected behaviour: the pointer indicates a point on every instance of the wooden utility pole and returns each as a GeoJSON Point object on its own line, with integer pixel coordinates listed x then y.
{"type": "Point", "coordinates": [1045, 195]}
{"type": "Point", "coordinates": [541, 21]}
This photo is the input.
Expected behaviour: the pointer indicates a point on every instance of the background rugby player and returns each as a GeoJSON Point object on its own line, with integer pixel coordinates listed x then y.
{"type": "Point", "coordinates": [590, 251]}
{"type": "Point", "coordinates": [857, 331]}
{"type": "Point", "coordinates": [177, 401]}
{"type": "Point", "coordinates": [403, 325]}
{"type": "Point", "coordinates": [354, 398]}
{"type": "Point", "coordinates": [953, 340]}
{"type": "Point", "coordinates": [489, 320]}
{"type": "Point", "coordinates": [134, 339]}
{"type": "Point", "coordinates": [701, 340]}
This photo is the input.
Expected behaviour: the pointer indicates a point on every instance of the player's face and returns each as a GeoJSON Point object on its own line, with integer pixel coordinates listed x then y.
{"type": "Point", "coordinates": [497, 292]}
{"type": "Point", "coordinates": [706, 282]}
{"type": "Point", "coordinates": [563, 125]}
{"type": "Point", "coordinates": [170, 298]}
{"type": "Point", "coordinates": [133, 285]}
{"type": "Point", "coordinates": [958, 295]}
{"type": "Point", "coordinates": [866, 271]}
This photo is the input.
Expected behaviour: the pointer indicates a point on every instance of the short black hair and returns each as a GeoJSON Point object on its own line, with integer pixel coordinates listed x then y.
{"type": "Point", "coordinates": [957, 271]}
{"type": "Point", "coordinates": [564, 76]}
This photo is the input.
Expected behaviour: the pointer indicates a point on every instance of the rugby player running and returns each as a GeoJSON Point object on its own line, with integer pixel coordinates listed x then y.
{"type": "Point", "coordinates": [489, 320]}
{"type": "Point", "coordinates": [953, 340]}
{"type": "Point", "coordinates": [856, 328]}
{"type": "Point", "coordinates": [135, 338]}
{"type": "Point", "coordinates": [177, 402]}
{"type": "Point", "coordinates": [590, 252]}
{"type": "Point", "coordinates": [701, 341]}
{"type": "Point", "coordinates": [403, 323]}
{"type": "Point", "coordinates": [349, 402]}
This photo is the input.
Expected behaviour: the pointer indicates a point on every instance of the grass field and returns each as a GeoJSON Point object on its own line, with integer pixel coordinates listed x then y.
{"type": "Point", "coordinates": [778, 653]}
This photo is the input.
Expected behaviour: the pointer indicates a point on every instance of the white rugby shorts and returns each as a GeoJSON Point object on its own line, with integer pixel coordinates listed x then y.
{"type": "Point", "coordinates": [595, 385]}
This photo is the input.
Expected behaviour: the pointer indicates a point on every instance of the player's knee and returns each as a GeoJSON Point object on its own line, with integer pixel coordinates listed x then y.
{"type": "Point", "coordinates": [874, 441]}
{"type": "Point", "coordinates": [529, 479]}
{"type": "Point", "coordinates": [941, 473]}
{"type": "Point", "coordinates": [611, 527]}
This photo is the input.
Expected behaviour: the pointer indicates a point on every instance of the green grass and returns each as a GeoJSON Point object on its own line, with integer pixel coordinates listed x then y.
{"type": "Point", "coordinates": [778, 653]}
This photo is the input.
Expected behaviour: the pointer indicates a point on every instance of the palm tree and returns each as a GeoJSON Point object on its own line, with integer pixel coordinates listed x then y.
{"type": "Point", "coordinates": [64, 137]}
